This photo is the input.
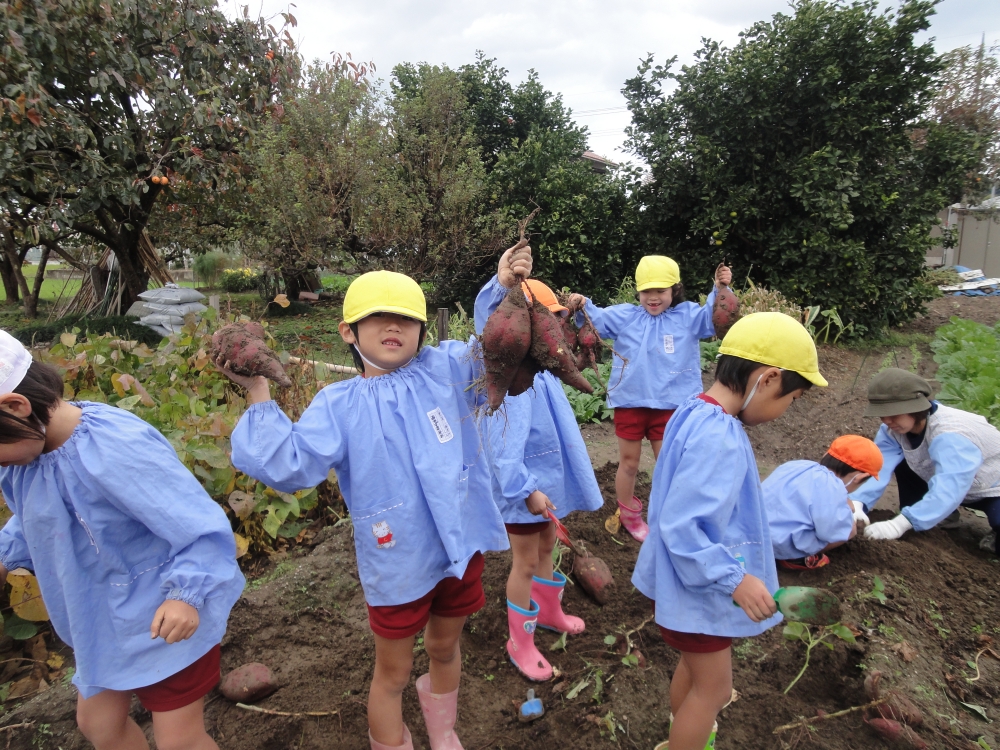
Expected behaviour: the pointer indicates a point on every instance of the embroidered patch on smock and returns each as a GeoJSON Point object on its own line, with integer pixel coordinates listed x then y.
{"type": "Point", "coordinates": [440, 424]}
{"type": "Point", "coordinates": [383, 535]}
{"type": "Point", "coordinates": [668, 343]}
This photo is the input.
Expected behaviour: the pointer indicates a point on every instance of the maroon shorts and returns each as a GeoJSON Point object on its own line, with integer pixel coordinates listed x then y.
{"type": "Point", "coordinates": [639, 422]}
{"type": "Point", "coordinates": [184, 688]}
{"type": "Point", "coordinates": [452, 597]}
{"type": "Point", "coordinates": [695, 643]}
{"type": "Point", "coordinates": [526, 529]}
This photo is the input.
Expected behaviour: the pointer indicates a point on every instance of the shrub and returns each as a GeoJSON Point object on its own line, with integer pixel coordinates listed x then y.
{"type": "Point", "coordinates": [119, 326]}
{"type": "Point", "coordinates": [208, 266]}
{"type": "Point", "coordinates": [236, 280]}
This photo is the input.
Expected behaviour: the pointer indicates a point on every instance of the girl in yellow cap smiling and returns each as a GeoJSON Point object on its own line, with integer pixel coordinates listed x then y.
{"type": "Point", "coordinates": [658, 338]}
{"type": "Point", "coordinates": [404, 443]}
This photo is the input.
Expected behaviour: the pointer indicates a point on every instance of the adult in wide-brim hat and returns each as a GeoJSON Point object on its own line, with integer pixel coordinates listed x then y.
{"type": "Point", "coordinates": [942, 458]}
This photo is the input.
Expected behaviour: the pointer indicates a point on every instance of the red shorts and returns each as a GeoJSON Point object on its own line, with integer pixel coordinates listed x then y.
{"type": "Point", "coordinates": [636, 423]}
{"type": "Point", "coordinates": [526, 529]}
{"type": "Point", "coordinates": [695, 643]}
{"type": "Point", "coordinates": [184, 688]}
{"type": "Point", "coordinates": [452, 597]}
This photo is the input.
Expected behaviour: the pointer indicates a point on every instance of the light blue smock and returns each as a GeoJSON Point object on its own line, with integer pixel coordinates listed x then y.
{"type": "Point", "coordinates": [806, 509]}
{"type": "Point", "coordinates": [407, 454]}
{"type": "Point", "coordinates": [956, 463]}
{"type": "Point", "coordinates": [113, 524]}
{"type": "Point", "coordinates": [707, 526]}
{"type": "Point", "coordinates": [664, 360]}
{"type": "Point", "coordinates": [534, 442]}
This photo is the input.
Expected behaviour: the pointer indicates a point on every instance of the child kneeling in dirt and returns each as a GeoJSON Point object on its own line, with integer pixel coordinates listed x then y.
{"type": "Point", "coordinates": [659, 340]}
{"type": "Point", "coordinates": [135, 562]}
{"type": "Point", "coordinates": [808, 510]}
{"type": "Point", "coordinates": [404, 443]}
{"type": "Point", "coordinates": [942, 458]}
{"type": "Point", "coordinates": [708, 543]}
{"type": "Point", "coordinates": [538, 461]}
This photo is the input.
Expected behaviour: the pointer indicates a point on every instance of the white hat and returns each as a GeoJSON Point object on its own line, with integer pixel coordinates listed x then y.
{"type": "Point", "coordinates": [14, 362]}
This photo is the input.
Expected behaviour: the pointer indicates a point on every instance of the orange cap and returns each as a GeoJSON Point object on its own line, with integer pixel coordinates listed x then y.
{"type": "Point", "coordinates": [538, 290]}
{"type": "Point", "coordinates": [858, 452]}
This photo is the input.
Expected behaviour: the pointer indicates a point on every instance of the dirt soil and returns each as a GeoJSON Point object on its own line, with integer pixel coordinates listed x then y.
{"type": "Point", "coordinates": [305, 618]}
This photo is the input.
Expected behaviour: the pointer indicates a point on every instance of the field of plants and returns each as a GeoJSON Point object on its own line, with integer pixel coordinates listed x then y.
{"type": "Point", "coordinates": [919, 618]}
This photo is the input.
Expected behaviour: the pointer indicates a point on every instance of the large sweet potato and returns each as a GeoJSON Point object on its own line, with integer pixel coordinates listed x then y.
{"type": "Point", "coordinates": [242, 349]}
{"type": "Point", "coordinates": [506, 340]}
{"type": "Point", "coordinates": [524, 377]}
{"type": "Point", "coordinates": [594, 577]}
{"type": "Point", "coordinates": [900, 708]}
{"type": "Point", "coordinates": [248, 683]}
{"type": "Point", "coordinates": [550, 350]}
{"type": "Point", "coordinates": [725, 312]}
{"type": "Point", "coordinates": [897, 734]}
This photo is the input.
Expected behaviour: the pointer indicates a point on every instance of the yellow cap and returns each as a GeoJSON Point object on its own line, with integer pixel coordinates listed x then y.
{"type": "Point", "coordinates": [777, 340]}
{"type": "Point", "coordinates": [656, 272]}
{"type": "Point", "coordinates": [384, 291]}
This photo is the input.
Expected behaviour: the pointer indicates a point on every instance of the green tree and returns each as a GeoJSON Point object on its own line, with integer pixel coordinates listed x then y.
{"type": "Point", "coordinates": [802, 156]}
{"type": "Point", "coordinates": [102, 96]}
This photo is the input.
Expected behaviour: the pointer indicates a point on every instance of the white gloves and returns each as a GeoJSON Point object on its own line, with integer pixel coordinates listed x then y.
{"type": "Point", "coordinates": [859, 513]}
{"type": "Point", "coordinates": [892, 529]}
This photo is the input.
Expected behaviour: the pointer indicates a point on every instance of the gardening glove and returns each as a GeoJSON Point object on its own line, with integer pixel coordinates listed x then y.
{"type": "Point", "coordinates": [892, 529]}
{"type": "Point", "coordinates": [859, 513]}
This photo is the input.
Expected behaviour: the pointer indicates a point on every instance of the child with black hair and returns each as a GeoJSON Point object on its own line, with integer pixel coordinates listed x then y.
{"type": "Point", "coordinates": [808, 510]}
{"type": "Point", "coordinates": [135, 562]}
{"type": "Point", "coordinates": [658, 338]}
{"type": "Point", "coordinates": [708, 542]}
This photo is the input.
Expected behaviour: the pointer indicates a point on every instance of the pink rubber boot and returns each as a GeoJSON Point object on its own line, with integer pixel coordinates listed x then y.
{"type": "Point", "coordinates": [631, 516]}
{"type": "Point", "coordinates": [521, 644]}
{"type": "Point", "coordinates": [440, 712]}
{"type": "Point", "coordinates": [549, 596]}
{"type": "Point", "coordinates": [407, 742]}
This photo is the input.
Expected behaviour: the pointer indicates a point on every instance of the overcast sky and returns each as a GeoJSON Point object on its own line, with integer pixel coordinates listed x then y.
{"type": "Point", "coordinates": [581, 48]}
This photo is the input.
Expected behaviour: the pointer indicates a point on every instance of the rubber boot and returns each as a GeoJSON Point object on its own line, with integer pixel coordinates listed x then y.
{"type": "Point", "coordinates": [440, 711]}
{"type": "Point", "coordinates": [521, 644]}
{"type": "Point", "coordinates": [631, 516]}
{"type": "Point", "coordinates": [407, 742]}
{"type": "Point", "coordinates": [665, 745]}
{"type": "Point", "coordinates": [549, 596]}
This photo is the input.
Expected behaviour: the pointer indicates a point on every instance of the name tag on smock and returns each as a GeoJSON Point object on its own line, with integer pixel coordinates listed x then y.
{"type": "Point", "coordinates": [440, 424]}
{"type": "Point", "coordinates": [668, 343]}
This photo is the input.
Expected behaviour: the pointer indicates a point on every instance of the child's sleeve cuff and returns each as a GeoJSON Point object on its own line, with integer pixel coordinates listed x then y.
{"type": "Point", "coordinates": [187, 597]}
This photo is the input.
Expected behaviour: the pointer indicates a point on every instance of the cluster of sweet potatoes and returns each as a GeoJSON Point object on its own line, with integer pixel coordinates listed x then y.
{"type": "Point", "coordinates": [522, 338]}
{"type": "Point", "coordinates": [240, 347]}
{"type": "Point", "coordinates": [894, 717]}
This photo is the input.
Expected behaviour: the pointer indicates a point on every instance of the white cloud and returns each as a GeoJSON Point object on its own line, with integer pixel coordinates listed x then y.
{"type": "Point", "coordinates": [583, 49]}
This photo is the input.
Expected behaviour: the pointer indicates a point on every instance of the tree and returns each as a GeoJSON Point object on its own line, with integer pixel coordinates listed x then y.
{"type": "Point", "coordinates": [802, 156]}
{"type": "Point", "coordinates": [969, 98]}
{"type": "Point", "coordinates": [107, 104]}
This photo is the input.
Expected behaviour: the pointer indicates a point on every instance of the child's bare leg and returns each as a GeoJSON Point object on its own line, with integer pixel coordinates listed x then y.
{"type": "Point", "coordinates": [183, 728]}
{"type": "Point", "coordinates": [657, 444]}
{"type": "Point", "coordinates": [525, 565]}
{"type": "Point", "coordinates": [680, 685]}
{"type": "Point", "coordinates": [711, 678]}
{"type": "Point", "coordinates": [393, 664]}
{"type": "Point", "coordinates": [546, 541]}
{"type": "Point", "coordinates": [629, 452]}
{"type": "Point", "coordinates": [104, 720]}
{"type": "Point", "coordinates": [442, 642]}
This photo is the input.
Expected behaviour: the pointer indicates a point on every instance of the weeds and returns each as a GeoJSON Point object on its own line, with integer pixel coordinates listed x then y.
{"type": "Point", "coordinates": [283, 567]}
{"type": "Point", "coordinates": [877, 592]}
{"type": "Point", "coordinates": [798, 631]}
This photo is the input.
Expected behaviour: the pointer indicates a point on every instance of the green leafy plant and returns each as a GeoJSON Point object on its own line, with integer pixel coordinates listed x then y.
{"type": "Point", "coordinates": [798, 631]}
{"type": "Point", "coordinates": [968, 357]}
{"type": "Point", "coordinates": [591, 407]}
{"type": "Point", "coordinates": [236, 280]}
{"type": "Point", "coordinates": [877, 592]}
{"type": "Point", "coordinates": [709, 352]}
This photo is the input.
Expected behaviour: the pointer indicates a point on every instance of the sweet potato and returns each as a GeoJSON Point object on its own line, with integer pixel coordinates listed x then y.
{"type": "Point", "coordinates": [897, 734]}
{"type": "Point", "coordinates": [248, 683]}
{"type": "Point", "coordinates": [589, 347]}
{"type": "Point", "coordinates": [725, 312]}
{"type": "Point", "coordinates": [873, 684]}
{"type": "Point", "coordinates": [524, 377]}
{"type": "Point", "coordinates": [569, 332]}
{"type": "Point", "coordinates": [506, 340]}
{"type": "Point", "coordinates": [550, 351]}
{"type": "Point", "coordinates": [900, 708]}
{"type": "Point", "coordinates": [594, 577]}
{"type": "Point", "coordinates": [241, 347]}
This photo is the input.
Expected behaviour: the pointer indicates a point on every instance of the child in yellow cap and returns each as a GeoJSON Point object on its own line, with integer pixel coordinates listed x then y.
{"type": "Point", "coordinates": [658, 338]}
{"type": "Point", "coordinates": [708, 542]}
{"type": "Point", "coordinates": [404, 443]}
{"type": "Point", "coordinates": [808, 510]}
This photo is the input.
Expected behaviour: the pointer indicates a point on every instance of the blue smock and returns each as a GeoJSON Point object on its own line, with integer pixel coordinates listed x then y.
{"type": "Point", "coordinates": [806, 509]}
{"type": "Point", "coordinates": [707, 526]}
{"type": "Point", "coordinates": [534, 442]}
{"type": "Point", "coordinates": [113, 524]}
{"type": "Point", "coordinates": [664, 360]}
{"type": "Point", "coordinates": [956, 463]}
{"type": "Point", "coordinates": [409, 462]}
